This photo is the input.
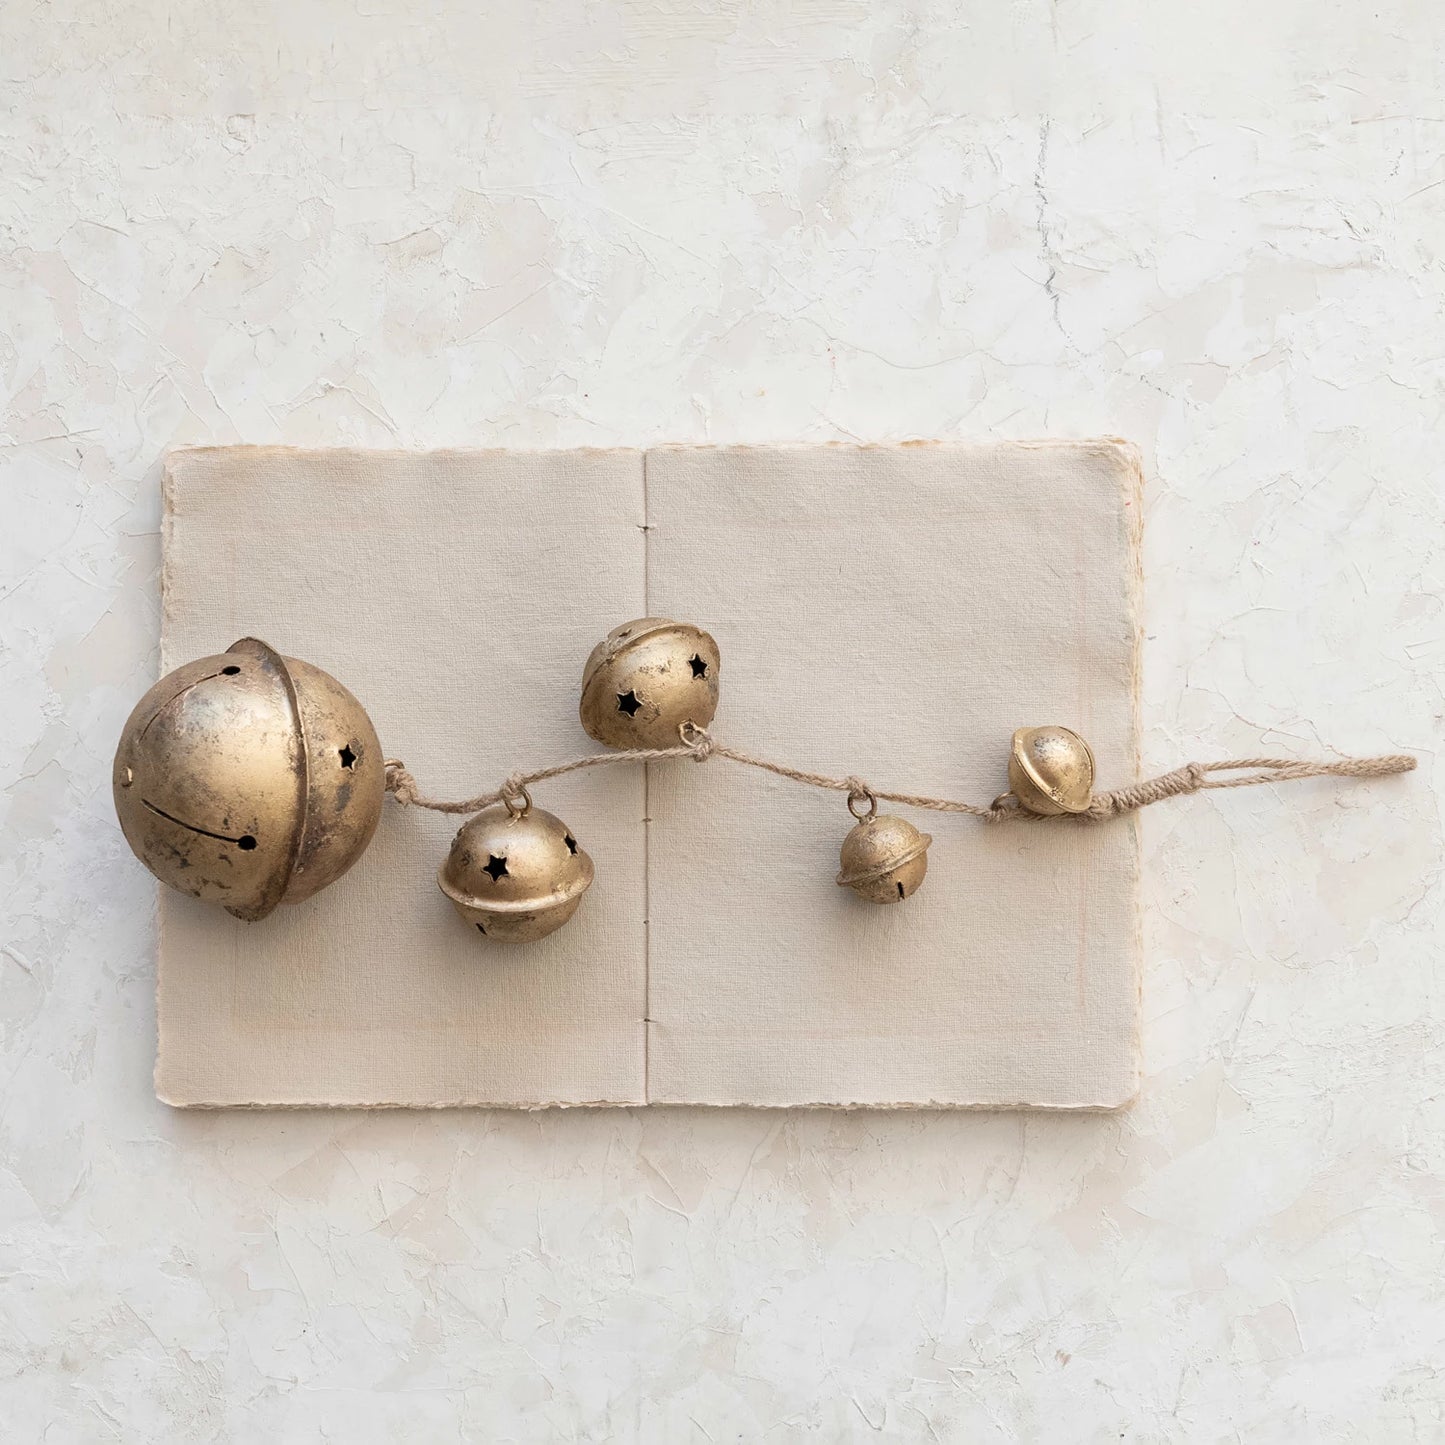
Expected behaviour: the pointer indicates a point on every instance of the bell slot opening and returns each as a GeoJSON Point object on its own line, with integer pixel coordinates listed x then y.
{"type": "Point", "coordinates": [246, 842]}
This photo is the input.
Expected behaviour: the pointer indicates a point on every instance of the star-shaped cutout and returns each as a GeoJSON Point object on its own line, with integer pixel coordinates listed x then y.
{"type": "Point", "coordinates": [348, 758]}
{"type": "Point", "coordinates": [497, 867]}
{"type": "Point", "coordinates": [571, 843]}
{"type": "Point", "coordinates": [699, 667]}
{"type": "Point", "coordinates": [629, 703]}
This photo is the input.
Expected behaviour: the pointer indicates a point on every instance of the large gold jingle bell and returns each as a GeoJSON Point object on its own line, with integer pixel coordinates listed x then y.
{"type": "Point", "coordinates": [645, 679]}
{"type": "Point", "coordinates": [515, 872]}
{"type": "Point", "coordinates": [248, 779]}
{"type": "Point", "coordinates": [883, 859]}
{"type": "Point", "coordinates": [1051, 771]}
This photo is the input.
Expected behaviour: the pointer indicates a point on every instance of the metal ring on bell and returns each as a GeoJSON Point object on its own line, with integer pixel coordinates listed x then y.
{"type": "Point", "coordinates": [517, 800]}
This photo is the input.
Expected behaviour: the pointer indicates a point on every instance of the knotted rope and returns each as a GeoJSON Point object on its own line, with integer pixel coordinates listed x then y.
{"type": "Point", "coordinates": [698, 744]}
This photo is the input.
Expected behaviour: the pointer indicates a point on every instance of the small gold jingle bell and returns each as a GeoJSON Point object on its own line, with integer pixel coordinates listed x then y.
{"type": "Point", "coordinates": [645, 679]}
{"type": "Point", "coordinates": [515, 872]}
{"type": "Point", "coordinates": [883, 859]}
{"type": "Point", "coordinates": [1051, 771]}
{"type": "Point", "coordinates": [248, 779]}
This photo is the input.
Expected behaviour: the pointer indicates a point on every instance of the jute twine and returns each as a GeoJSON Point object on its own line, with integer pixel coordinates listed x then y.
{"type": "Point", "coordinates": [697, 743]}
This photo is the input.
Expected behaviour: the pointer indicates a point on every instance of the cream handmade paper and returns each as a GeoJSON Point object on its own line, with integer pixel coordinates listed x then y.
{"type": "Point", "coordinates": [892, 612]}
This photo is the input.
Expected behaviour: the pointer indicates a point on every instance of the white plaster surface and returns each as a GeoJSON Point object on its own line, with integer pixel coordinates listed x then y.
{"type": "Point", "coordinates": [1212, 228]}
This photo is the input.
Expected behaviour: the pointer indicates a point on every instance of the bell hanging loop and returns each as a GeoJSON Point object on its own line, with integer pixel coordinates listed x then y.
{"type": "Point", "coordinates": [516, 798]}
{"type": "Point", "coordinates": [861, 801]}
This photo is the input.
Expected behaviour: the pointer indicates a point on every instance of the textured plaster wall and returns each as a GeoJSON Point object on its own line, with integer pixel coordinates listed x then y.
{"type": "Point", "coordinates": [1213, 228]}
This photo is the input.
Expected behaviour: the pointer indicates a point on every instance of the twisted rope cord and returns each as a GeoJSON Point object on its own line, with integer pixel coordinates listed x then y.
{"type": "Point", "coordinates": [403, 786]}
{"type": "Point", "coordinates": [697, 743]}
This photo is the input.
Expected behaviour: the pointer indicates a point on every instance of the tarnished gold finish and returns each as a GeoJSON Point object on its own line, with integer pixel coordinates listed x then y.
{"type": "Point", "coordinates": [515, 872]}
{"type": "Point", "coordinates": [645, 679]}
{"type": "Point", "coordinates": [1051, 771]}
{"type": "Point", "coordinates": [248, 779]}
{"type": "Point", "coordinates": [884, 859]}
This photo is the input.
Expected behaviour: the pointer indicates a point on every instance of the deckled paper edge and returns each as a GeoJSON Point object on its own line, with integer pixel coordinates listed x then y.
{"type": "Point", "coordinates": [1133, 460]}
{"type": "Point", "coordinates": [1132, 481]}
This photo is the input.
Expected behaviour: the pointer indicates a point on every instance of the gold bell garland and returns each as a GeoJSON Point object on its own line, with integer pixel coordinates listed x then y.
{"type": "Point", "coordinates": [892, 849]}
{"type": "Point", "coordinates": [250, 779]}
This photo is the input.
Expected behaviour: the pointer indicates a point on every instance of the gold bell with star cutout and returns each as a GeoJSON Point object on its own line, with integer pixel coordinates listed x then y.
{"type": "Point", "coordinates": [515, 872]}
{"type": "Point", "coordinates": [248, 779]}
{"type": "Point", "coordinates": [647, 678]}
{"type": "Point", "coordinates": [1051, 771]}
